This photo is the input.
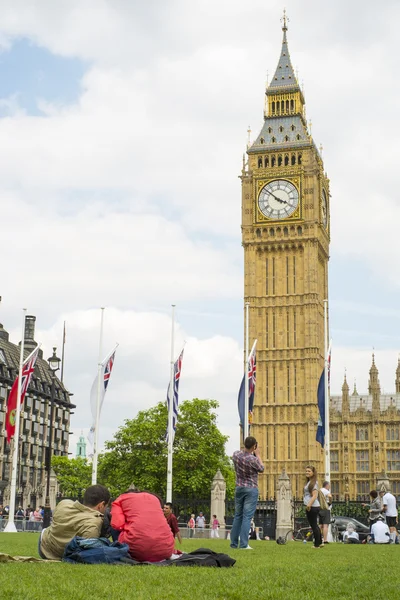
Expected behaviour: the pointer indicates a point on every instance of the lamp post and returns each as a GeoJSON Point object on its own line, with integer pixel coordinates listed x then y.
{"type": "Point", "coordinates": [54, 364]}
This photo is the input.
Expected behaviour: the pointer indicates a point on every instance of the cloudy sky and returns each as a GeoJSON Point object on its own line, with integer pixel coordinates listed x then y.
{"type": "Point", "coordinates": [122, 128]}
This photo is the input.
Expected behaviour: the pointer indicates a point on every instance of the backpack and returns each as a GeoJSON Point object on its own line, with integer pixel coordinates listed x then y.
{"type": "Point", "coordinates": [322, 500]}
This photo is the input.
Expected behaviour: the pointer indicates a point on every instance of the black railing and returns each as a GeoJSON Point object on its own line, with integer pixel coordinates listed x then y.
{"type": "Point", "coordinates": [351, 508]}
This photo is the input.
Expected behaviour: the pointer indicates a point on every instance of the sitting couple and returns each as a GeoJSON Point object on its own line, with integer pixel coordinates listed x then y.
{"type": "Point", "coordinates": [137, 515]}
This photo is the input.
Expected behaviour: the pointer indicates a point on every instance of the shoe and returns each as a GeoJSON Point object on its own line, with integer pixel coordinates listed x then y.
{"type": "Point", "coordinates": [247, 548]}
{"type": "Point", "coordinates": [233, 547]}
{"type": "Point", "coordinates": [318, 547]}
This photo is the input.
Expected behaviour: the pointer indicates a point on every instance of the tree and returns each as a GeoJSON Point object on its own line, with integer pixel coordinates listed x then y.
{"type": "Point", "coordinates": [74, 475]}
{"type": "Point", "coordinates": [138, 452]}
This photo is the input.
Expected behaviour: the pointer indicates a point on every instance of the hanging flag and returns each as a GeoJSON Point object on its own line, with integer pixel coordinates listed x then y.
{"type": "Point", "coordinates": [28, 368]}
{"type": "Point", "coordinates": [177, 376]}
{"type": "Point", "coordinates": [251, 376]}
{"type": "Point", "coordinates": [320, 437]}
{"type": "Point", "coordinates": [329, 363]}
{"type": "Point", "coordinates": [105, 373]}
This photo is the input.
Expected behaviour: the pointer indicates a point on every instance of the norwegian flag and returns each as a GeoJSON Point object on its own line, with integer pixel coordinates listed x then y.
{"type": "Point", "coordinates": [27, 370]}
{"type": "Point", "coordinates": [105, 374]}
{"type": "Point", "coordinates": [177, 376]}
{"type": "Point", "coordinates": [251, 378]}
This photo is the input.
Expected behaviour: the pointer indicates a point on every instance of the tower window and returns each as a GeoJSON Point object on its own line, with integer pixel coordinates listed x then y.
{"type": "Point", "coordinates": [266, 161]}
{"type": "Point", "coordinates": [273, 161]}
{"type": "Point", "coordinates": [293, 159]}
{"type": "Point", "coordinates": [273, 140]}
{"type": "Point", "coordinates": [286, 138]}
{"type": "Point", "coordinates": [282, 103]}
{"type": "Point", "coordinates": [273, 293]}
{"type": "Point", "coordinates": [287, 105]}
{"type": "Point", "coordinates": [279, 160]}
{"type": "Point", "coordinates": [299, 159]}
{"type": "Point", "coordinates": [299, 230]}
{"type": "Point", "coordinates": [261, 140]}
{"type": "Point", "coordinates": [298, 137]}
{"type": "Point", "coordinates": [260, 163]}
{"type": "Point", "coordinates": [270, 128]}
{"type": "Point", "coordinates": [286, 160]}
{"type": "Point", "coordinates": [281, 128]}
{"type": "Point", "coordinates": [285, 231]}
{"type": "Point", "coordinates": [272, 234]}
{"type": "Point", "coordinates": [258, 233]}
{"type": "Point", "coordinates": [293, 127]}
{"type": "Point", "coordinates": [273, 111]}
{"type": "Point", "coordinates": [292, 105]}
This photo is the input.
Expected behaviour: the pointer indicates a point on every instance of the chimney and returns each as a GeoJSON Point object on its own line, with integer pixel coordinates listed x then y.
{"type": "Point", "coordinates": [29, 335]}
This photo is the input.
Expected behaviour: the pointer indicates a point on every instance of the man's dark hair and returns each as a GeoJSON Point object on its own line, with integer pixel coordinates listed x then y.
{"type": "Point", "coordinates": [95, 494]}
{"type": "Point", "coordinates": [169, 504]}
{"type": "Point", "coordinates": [249, 442]}
{"type": "Point", "coordinates": [325, 483]}
{"type": "Point", "coordinates": [373, 494]}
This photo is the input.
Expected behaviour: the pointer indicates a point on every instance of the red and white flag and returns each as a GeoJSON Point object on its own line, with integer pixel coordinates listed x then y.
{"type": "Point", "coordinates": [27, 370]}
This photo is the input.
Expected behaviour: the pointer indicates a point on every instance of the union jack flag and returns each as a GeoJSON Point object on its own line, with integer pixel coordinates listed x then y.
{"type": "Point", "coordinates": [27, 370]}
{"type": "Point", "coordinates": [105, 374]}
{"type": "Point", "coordinates": [177, 376]}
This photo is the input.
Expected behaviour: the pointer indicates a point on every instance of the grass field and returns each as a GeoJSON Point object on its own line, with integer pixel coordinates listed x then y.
{"type": "Point", "coordinates": [293, 571]}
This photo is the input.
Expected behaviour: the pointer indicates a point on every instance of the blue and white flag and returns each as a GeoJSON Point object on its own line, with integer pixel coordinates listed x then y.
{"type": "Point", "coordinates": [177, 375]}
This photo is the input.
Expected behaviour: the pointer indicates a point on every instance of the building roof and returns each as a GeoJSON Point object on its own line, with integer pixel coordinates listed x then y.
{"type": "Point", "coordinates": [364, 401]}
{"type": "Point", "coordinates": [278, 129]}
{"type": "Point", "coordinates": [284, 76]}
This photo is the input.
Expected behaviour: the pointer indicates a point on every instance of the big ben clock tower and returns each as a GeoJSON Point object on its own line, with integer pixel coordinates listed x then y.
{"type": "Point", "coordinates": [285, 235]}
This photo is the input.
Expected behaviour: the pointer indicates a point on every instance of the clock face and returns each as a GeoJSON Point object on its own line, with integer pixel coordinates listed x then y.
{"type": "Point", "coordinates": [278, 199]}
{"type": "Point", "coordinates": [324, 209]}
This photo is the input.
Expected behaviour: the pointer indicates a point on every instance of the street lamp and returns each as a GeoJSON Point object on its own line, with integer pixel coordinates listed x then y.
{"type": "Point", "coordinates": [54, 364]}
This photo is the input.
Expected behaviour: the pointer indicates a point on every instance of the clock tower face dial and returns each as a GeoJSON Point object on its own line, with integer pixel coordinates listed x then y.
{"type": "Point", "coordinates": [278, 199]}
{"type": "Point", "coordinates": [324, 209]}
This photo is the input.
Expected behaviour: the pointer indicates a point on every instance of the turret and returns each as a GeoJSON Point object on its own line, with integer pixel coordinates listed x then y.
{"type": "Point", "coordinates": [345, 399]}
{"type": "Point", "coordinates": [374, 387]}
{"type": "Point", "coordinates": [397, 382]}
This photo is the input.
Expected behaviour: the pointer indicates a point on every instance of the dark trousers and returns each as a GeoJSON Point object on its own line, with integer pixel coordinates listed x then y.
{"type": "Point", "coordinates": [312, 518]}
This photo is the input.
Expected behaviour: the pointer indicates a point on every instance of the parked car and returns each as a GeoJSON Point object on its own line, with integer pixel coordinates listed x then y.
{"type": "Point", "coordinates": [342, 522]}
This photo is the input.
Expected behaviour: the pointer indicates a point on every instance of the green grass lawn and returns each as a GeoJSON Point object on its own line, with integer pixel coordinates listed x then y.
{"type": "Point", "coordinates": [269, 571]}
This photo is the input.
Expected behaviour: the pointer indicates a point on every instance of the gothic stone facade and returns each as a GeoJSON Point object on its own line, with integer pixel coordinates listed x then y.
{"type": "Point", "coordinates": [34, 428]}
{"type": "Point", "coordinates": [285, 235]}
{"type": "Point", "coordinates": [365, 439]}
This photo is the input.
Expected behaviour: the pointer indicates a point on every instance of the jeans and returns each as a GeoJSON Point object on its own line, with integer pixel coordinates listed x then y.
{"type": "Point", "coordinates": [312, 518]}
{"type": "Point", "coordinates": [245, 506]}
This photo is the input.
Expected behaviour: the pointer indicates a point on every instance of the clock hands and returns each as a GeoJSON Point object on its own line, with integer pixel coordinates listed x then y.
{"type": "Point", "coordinates": [278, 199]}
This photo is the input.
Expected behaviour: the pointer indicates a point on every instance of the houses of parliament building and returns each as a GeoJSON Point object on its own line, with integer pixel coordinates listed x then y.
{"type": "Point", "coordinates": [286, 236]}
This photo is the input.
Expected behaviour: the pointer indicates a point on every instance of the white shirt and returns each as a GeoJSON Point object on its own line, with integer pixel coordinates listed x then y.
{"type": "Point", "coordinates": [200, 522]}
{"type": "Point", "coordinates": [353, 535]}
{"type": "Point", "coordinates": [390, 501]}
{"type": "Point", "coordinates": [307, 495]}
{"type": "Point", "coordinates": [381, 532]}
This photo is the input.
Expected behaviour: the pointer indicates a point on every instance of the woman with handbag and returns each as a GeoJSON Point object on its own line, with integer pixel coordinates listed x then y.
{"type": "Point", "coordinates": [311, 502]}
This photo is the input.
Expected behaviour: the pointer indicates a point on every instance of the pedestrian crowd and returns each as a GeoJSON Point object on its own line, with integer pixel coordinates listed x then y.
{"type": "Point", "coordinates": [26, 519]}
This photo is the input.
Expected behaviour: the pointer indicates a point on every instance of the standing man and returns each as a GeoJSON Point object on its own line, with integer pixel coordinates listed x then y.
{"type": "Point", "coordinates": [247, 466]}
{"type": "Point", "coordinates": [389, 509]}
{"type": "Point", "coordinates": [172, 521]}
{"type": "Point", "coordinates": [201, 523]}
{"type": "Point", "coordinates": [325, 515]}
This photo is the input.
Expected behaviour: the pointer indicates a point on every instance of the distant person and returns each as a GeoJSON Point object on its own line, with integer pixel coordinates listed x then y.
{"type": "Point", "coordinates": [248, 465]}
{"type": "Point", "coordinates": [380, 533]}
{"type": "Point", "coordinates": [375, 508]}
{"type": "Point", "coordinates": [325, 515]}
{"type": "Point", "coordinates": [73, 518]}
{"type": "Point", "coordinates": [389, 510]}
{"type": "Point", "coordinates": [191, 525]}
{"type": "Point", "coordinates": [140, 519]}
{"type": "Point", "coordinates": [310, 500]}
{"type": "Point", "coordinates": [350, 536]}
{"type": "Point", "coordinates": [214, 527]}
{"type": "Point", "coordinates": [172, 521]}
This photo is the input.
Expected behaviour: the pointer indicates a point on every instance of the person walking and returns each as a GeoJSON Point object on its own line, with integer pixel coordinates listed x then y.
{"type": "Point", "coordinates": [310, 500]}
{"type": "Point", "coordinates": [191, 525]}
{"type": "Point", "coordinates": [375, 508]}
{"type": "Point", "coordinates": [201, 524]}
{"type": "Point", "coordinates": [389, 509]}
{"type": "Point", "coordinates": [215, 527]}
{"type": "Point", "coordinates": [248, 465]}
{"type": "Point", "coordinates": [325, 515]}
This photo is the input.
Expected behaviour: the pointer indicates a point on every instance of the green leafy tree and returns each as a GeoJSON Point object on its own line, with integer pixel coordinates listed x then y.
{"type": "Point", "coordinates": [74, 475]}
{"type": "Point", "coordinates": [138, 452]}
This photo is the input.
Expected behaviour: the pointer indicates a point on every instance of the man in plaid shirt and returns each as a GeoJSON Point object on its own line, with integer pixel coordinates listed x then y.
{"type": "Point", "coordinates": [247, 466]}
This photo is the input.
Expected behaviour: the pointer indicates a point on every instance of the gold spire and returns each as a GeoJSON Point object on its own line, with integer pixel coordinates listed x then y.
{"type": "Point", "coordinates": [285, 20]}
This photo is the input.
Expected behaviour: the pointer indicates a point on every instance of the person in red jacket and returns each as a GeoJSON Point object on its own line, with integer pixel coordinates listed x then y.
{"type": "Point", "coordinates": [140, 519]}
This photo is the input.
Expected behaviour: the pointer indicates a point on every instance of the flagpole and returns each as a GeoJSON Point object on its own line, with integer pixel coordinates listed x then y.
{"type": "Point", "coordinates": [246, 376]}
{"type": "Point", "coordinates": [96, 433]}
{"type": "Point", "coordinates": [327, 431]}
{"type": "Point", "coordinates": [10, 527]}
{"type": "Point", "coordinates": [170, 413]}
{"type": "Point", "coordinates": [62, 356]}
